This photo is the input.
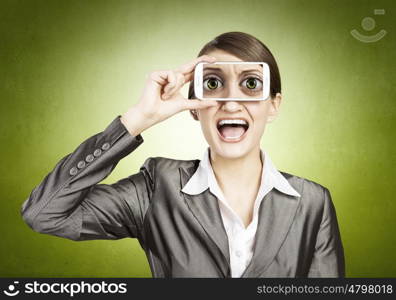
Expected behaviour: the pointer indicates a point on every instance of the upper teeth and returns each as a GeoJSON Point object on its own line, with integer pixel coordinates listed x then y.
{"type": "Point", "coordinates": [241, 122]}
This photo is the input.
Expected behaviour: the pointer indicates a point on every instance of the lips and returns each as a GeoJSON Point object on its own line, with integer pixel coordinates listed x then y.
{"type": "Point", "coordinates": [232, 130]}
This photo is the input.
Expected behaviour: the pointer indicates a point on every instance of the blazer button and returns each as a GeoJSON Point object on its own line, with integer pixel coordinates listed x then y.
{"type": "Point", "coordinates": [89, 158]}
{"type": "Point", "coordinates": [97, 152]}
{"type": "Point", "coordinates": [106, 146]}
{"type": "Point", "coordinates": [81, 164]}
{"type": "Point", "coordinates": [73, 171]}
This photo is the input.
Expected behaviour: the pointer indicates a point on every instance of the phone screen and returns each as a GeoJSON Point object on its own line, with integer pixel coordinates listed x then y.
{"type": "Point", "coordinates": [234, 81]}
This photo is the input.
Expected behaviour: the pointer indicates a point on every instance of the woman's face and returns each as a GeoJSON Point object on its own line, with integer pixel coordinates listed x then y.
{"type": "Point", "coordinates": [237, 141]}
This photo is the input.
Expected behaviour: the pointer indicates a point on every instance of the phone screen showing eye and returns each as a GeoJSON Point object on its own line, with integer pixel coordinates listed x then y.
{"type": "Point", "coordinates": [234, 81]}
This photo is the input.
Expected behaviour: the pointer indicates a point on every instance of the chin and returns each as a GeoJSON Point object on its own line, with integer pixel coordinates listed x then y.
{"type": "Point", "coordinates": [230, 150]}
{"type": "Point", "coordinates": [231, 153]}
{"type": "Point", "coordinates": [234, 136]}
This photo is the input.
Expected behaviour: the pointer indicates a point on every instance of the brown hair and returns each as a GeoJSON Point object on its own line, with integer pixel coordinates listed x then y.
{"type": "Point", "coordinates": [247, 48]}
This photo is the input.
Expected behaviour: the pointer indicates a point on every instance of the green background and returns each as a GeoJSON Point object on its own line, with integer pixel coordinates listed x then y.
{"type": "Point", "coordinates": [68, 68]}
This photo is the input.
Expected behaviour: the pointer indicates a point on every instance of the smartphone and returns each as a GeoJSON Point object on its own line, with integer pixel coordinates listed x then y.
{"type": "Point", "coordinates": [232, 80]}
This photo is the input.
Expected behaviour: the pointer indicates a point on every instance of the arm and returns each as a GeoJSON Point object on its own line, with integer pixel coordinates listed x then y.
{"type": "Point", "coordinates": [328, 258]}
{"type": "Point", "coordinates": [70, 203]}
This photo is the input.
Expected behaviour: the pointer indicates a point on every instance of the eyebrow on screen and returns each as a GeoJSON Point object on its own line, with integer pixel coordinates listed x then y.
{"type": "Point", "coordinates": [221, 70]}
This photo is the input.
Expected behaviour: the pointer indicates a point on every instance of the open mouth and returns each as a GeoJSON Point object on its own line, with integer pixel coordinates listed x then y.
{"type": "Point", "coordinates": [232, 130]}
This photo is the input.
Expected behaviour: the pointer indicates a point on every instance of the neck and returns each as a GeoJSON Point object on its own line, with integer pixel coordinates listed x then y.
{"type": "Point", "coordinates": [236, 172]}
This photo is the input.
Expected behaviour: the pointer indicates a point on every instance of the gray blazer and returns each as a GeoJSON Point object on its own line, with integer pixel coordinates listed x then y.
{"type": "Point", "coordinates": [182, 235]}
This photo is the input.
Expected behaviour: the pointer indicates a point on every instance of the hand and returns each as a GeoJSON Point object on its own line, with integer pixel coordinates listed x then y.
{"type": "Point", "coordinates": [161, 97]}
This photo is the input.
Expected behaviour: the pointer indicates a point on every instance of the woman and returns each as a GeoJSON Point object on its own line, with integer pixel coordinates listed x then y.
{"type": "Point", "coordinates": [231, 214]}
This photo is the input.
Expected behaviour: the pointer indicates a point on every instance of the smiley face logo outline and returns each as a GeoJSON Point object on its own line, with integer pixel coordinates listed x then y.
{"type": "Point", "coordinates": [368, 24]}
{"type": "Point", "coordinates": [11, 288]}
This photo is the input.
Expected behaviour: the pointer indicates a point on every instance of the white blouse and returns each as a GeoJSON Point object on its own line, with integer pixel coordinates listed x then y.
{"type": "Point", "coordinates": [240, 239]}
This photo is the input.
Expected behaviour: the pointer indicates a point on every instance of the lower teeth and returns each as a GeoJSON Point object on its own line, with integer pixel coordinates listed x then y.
{"type": "Point", "coordinates": [232, 137]}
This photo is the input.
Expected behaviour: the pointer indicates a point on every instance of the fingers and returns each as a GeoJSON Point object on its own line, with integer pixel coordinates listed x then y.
{"type": "Point", "coordinates": [172, 80]}
{"type": "Point", "coordinates": [198, 104]}
{"type": "Point", "coordinates": [174, 85]}
{"type": "Point", "coordinates": [166, 79]}
{"type": "Point", "coordinates": [189, 77]}
{"type": "Point", "coordinates": [189, 67]}
{"type": "Point", "coordinates": [157, 79]}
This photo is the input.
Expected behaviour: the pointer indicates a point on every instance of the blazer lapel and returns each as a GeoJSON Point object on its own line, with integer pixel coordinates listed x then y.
{"type": "Point", "coordinates": [205, 208]}
{"type": "Point", "coordinates": [276, 214]}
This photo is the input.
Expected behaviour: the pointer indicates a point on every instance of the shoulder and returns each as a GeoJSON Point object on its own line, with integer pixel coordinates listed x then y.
{"type": "Point", "coordinates": [304, 184]}
{"type": "Point", "coordinates": [157, 166]}
{"type": "Point", "coordinates": [313, 194]}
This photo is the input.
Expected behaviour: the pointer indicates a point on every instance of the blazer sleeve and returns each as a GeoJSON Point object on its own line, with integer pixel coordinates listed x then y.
{"type": "Point", "coordinates": [70, 203]}
{"type": "Point", "coordinates": [328, 258]}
